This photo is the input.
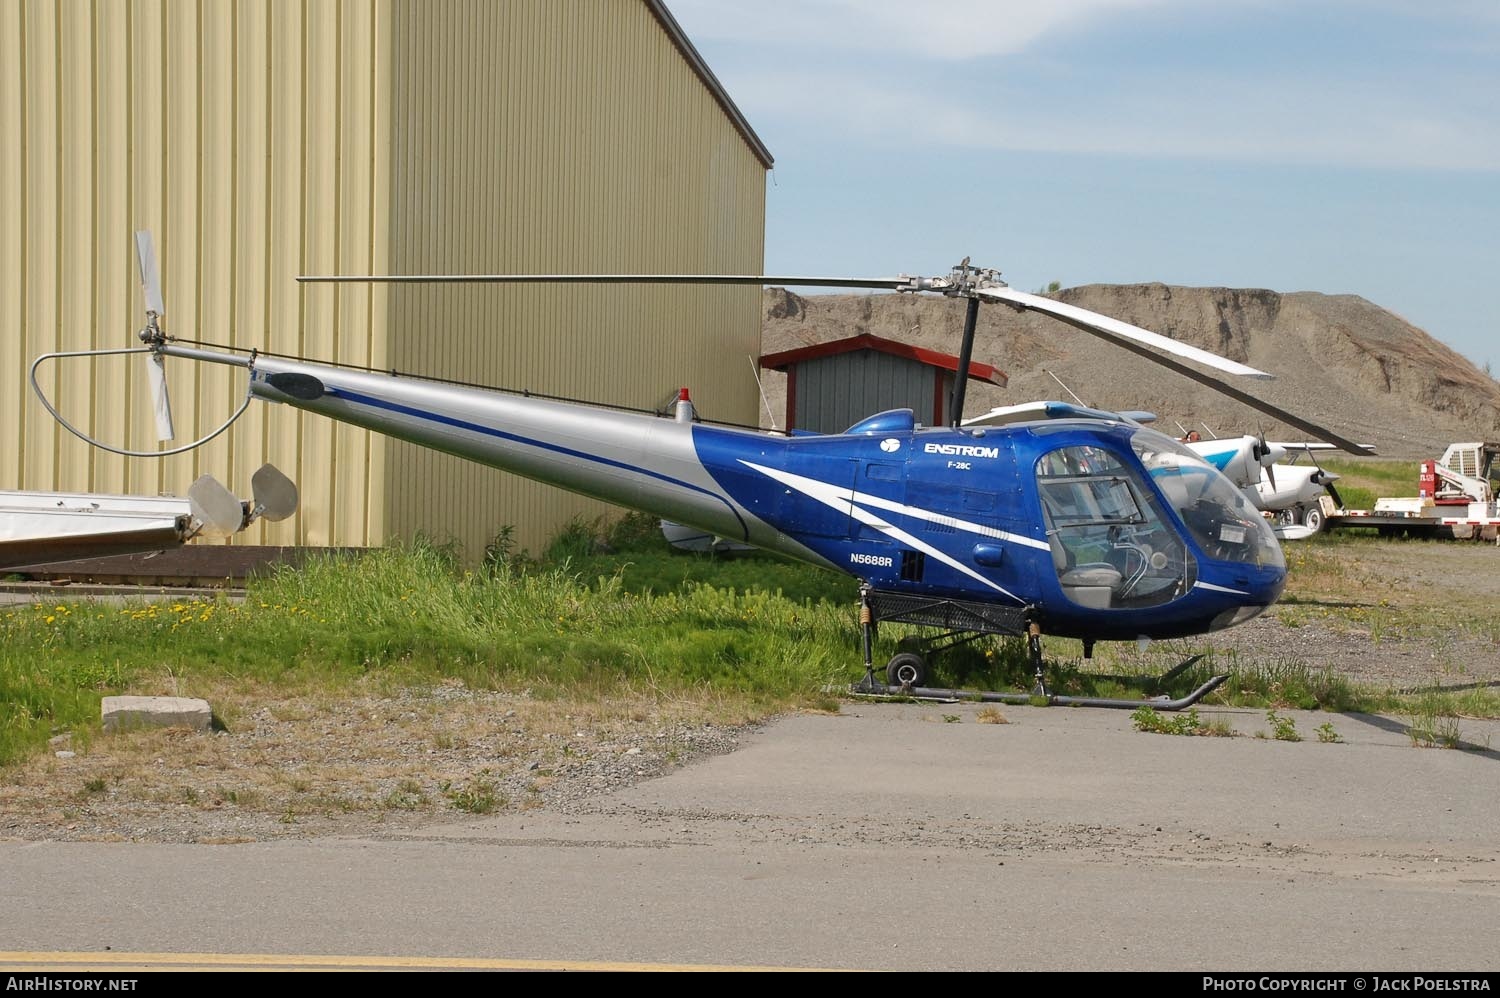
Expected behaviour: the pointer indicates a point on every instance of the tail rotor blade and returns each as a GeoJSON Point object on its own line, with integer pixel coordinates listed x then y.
{"type": "Point", "coordinates": [145, 254]}
{"type": "Point", "coordinates": [161, 403]}
{"type": "Point", "coordinates": [152, 335]}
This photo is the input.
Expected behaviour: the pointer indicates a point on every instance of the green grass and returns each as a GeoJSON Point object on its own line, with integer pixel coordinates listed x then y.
{"type": "Point", "coordinates": [1283, 729]}
{"type": "Point", "coordinates": [1362, 480]}
{"type": "Point", "coordinates": [1154, 721]}
{"type": "Point", "coordinates": [414, 615]}
{"type": "Point", "coordinates": [633, 616]}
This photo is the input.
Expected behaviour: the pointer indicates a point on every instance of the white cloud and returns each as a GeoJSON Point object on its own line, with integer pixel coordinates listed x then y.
{"type": "Point", "coordinates": [1262, 81]}
{"type": "Point", "coordinates": [1283, 120]}
{"type": "Point", "coordinates": [944, 31]}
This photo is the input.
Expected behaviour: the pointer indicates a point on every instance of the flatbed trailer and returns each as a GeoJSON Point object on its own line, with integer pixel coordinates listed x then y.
{"type": "Point", "coordinates": [1418, 517]}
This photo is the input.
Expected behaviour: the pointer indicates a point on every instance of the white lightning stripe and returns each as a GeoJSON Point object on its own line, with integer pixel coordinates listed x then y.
{"type": "Point", "coordinates": [912, 511]}
{"type": "Point", "coordinates": [843, 499]}
{"type": "Point", "coordinates": [949, 521]}
{"type": "Point", "coordinates": [1219, 589]}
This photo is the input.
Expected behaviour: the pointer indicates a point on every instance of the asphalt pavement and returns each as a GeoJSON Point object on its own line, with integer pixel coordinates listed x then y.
{"type": "Point", "coordinates": [892, 836]}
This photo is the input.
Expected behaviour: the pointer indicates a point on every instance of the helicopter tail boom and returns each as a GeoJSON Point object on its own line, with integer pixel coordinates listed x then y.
{"type": "Point", "coordinates": [631, 459]}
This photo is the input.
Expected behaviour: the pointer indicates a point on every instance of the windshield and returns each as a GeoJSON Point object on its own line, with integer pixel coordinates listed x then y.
{"type": "Point", "coordinates": [1220, 517]}
{"type": "Point", "coordinates": [1110, 544]}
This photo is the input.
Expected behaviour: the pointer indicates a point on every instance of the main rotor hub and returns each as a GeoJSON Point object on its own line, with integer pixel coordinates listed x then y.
{"type": "Point", "coordinates": [962, 282]}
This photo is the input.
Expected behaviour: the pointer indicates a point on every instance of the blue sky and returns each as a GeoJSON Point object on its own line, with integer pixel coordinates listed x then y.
{"type": "Point", "coordinates": [1341, 146]}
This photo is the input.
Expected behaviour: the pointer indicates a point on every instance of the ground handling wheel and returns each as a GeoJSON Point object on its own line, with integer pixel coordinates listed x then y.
{"type": "Point", "coordinates": [906, 669]}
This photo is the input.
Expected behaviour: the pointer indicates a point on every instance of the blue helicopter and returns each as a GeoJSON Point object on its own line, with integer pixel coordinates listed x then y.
{"type": "Point", "coordinates": [1060, 519]}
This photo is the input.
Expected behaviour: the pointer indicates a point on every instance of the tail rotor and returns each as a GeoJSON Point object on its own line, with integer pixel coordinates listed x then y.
{"type": "Point", "coordinates": [153, 335]}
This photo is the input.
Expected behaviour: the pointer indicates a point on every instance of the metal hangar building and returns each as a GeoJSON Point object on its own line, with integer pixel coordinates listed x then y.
{"type": "Point", "coordinates": [259, 141]}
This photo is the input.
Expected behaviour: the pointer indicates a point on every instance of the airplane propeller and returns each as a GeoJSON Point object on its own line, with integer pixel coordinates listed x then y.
{"type": "Point", "coordinates": [1266, 455]}
{"type": "Point", "coordinates": [1333, 494]}
{"type": "Point", "coordinates": [152, 335]}
{"type": "Point", "coordinates": [1326, 479]}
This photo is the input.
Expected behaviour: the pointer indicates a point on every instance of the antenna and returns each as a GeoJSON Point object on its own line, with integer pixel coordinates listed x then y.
{"type": "Point", "coordinates": [1066, 389]}
{"type": "Point", "coordinates": [755, 370]}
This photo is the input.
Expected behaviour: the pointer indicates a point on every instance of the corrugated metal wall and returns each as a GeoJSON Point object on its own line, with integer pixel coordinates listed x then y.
{"type": "Point", "coordinates": [249, 138]}
{"type": "Point", "coordinates": [561, 136]}
{"type": "Point", "coordinates": [263, 139]}
{"type": "Point", "coordinates": [834, 393]}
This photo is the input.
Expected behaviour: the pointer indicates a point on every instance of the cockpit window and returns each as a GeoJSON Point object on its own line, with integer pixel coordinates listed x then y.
{"type": "Point", "coordinates": [1220, 517]}
{"type": "Point", "coordinates": [1110, 545]}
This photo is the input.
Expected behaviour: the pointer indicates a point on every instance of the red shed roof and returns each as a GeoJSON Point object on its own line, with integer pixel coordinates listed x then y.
{"type": "Point", "coordinates": [864, 341]}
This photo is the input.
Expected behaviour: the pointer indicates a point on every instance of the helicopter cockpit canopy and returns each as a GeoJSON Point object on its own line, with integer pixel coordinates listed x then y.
{"type": "Point", "coordinates": [1113, 544]}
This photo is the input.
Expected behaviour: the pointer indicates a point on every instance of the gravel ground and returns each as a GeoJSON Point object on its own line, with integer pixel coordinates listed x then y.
{"type": "Point", "coordinates": [359, 766]}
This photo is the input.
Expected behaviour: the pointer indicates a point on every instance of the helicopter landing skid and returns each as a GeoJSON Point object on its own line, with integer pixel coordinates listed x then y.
{"type": "Point", "coordinates": [907, 671]}
{"type": "Point", "coordinates": [869, 687]}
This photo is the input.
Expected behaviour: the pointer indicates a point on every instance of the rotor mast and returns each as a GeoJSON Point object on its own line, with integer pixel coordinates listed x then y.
{"type": "Point", "coordinates": [963, 283]}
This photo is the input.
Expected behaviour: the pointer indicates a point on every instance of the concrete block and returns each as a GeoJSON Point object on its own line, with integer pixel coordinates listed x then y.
{"type": "Point", "coordinates": [121, 713]}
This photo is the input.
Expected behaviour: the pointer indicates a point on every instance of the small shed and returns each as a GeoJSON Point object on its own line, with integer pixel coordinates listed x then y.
{"type": "Point", "coordinates": [831, 386]}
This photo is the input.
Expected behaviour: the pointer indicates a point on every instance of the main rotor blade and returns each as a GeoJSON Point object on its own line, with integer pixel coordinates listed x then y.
{"type": "Point", "coordinates": [1114, 329]}
{"type": "Point", "coordinates": [145, 256]}
{"type": "Point", "coordinates": [1209, 380]}
{"type": "Point", "coordinates": [1134, 339]}
{"type": "Point", "coordinates": [887, 283]}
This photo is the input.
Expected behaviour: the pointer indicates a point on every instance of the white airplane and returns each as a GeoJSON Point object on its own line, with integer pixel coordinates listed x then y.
{"type": "Point", "coordinates": [1289, 491]}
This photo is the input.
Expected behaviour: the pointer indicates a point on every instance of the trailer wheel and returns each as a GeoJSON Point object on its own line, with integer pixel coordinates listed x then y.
{"type": "Point", "coordinates": [1313, 518]}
